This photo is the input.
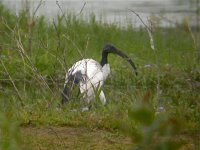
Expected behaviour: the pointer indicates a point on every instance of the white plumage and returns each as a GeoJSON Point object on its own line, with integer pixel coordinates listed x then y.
{"type": "Point", "coordinates": [89, 75]}
{"type": "Point", "coordinates": [93, 75]}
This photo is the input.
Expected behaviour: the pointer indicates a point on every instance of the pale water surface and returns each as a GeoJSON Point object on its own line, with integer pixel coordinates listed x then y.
{"type": "Point", "coordinates": [163, 12]}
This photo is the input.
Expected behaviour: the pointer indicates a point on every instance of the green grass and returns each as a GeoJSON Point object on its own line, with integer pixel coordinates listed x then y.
{"type": "Point", "coordinates": [37, 70]}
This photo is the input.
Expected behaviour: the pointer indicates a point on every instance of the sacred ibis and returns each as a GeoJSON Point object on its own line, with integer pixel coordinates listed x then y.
{"type": "Point", "coordinates": [89, 76]}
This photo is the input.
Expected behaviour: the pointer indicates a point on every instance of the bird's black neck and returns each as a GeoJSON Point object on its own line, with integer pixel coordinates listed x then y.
{"type": "Point", "coordinates": [104, 59]}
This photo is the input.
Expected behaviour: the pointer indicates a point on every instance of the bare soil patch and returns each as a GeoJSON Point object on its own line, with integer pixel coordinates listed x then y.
{"type": "Point", "coordinates": [60, 138]}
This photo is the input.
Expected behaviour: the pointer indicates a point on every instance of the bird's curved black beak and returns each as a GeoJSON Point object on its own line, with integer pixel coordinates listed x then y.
{"type": "Point", "coordinates": [112, 49]}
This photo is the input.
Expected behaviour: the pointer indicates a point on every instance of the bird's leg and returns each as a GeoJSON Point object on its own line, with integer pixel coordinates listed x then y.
{"type": "Point", "coordinates": [87, 102]}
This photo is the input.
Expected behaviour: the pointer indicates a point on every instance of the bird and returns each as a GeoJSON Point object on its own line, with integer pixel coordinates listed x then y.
{"type": "Point", "coordinates": [89, 75]}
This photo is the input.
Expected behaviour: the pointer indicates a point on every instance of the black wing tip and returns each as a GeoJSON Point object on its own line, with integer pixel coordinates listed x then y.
{"type": "Point", "coordinates": [73, 80]}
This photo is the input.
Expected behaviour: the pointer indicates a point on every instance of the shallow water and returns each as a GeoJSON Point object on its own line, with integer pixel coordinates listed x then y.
{"type": "Point", "coordinates": [163, 12]}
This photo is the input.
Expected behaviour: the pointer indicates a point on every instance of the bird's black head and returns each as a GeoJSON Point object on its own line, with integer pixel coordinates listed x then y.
{"type": "Point", "coordinates": [109, 48]}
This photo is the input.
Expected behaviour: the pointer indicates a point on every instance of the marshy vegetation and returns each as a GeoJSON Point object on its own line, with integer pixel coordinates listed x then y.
{"type": "Point", "coordinates": [35, 55]}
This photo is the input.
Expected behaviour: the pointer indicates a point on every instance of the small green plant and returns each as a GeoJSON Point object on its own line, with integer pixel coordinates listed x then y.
{"type": "Point", "coordinates": [9, 133]}
{"type": "Point", "coordinates": [153, 130]}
